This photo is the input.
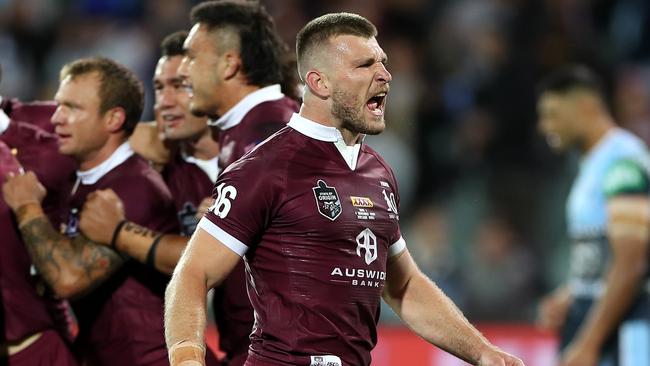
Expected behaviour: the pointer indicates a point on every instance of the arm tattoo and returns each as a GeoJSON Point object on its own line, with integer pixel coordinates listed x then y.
{"type": "Point", "coordinates": [139, 230]}
{"type": "Point", "coordinates": [57, 257]}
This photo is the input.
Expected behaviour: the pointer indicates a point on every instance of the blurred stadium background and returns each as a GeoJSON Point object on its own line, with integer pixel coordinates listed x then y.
{"type": "Point", "coordinates": [482, 196]}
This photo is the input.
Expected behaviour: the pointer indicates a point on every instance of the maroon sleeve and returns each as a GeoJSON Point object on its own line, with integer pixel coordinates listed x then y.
{"type": "Point", "coordinates": [38, 113]}
{"type": "Point", "coordinates": [37, 151]}
{"type": "Point", "coordinates": [244, 201]}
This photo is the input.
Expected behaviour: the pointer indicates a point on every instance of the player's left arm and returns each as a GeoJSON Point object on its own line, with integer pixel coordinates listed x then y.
{"type": "Point", "coordinates": [627, 186]}
{"type": "Point", "coordinates": [433, 316]}
{"type": "Point", "coordinates": [71, 266]}
{"type": "Point", "coordinates": [103, 220]}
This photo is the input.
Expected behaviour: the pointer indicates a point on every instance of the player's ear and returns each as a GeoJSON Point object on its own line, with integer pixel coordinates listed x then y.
{"type": "Point", "coordinates": [317, 83]}
{"type": "Point", "coordinates": [115, 118]}
{"type": "Point", "coordinates": [231, 65]}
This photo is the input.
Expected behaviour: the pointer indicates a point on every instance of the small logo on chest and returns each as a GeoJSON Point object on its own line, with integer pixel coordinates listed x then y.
{"type": "Point", "coordinates": [71, 227]}
{"type": "Point", "coordinates": [361, 201]}
{"type": "Point", "coordinates": [327, 200]}
{"type": "Point", "coordinates": [367, 241]}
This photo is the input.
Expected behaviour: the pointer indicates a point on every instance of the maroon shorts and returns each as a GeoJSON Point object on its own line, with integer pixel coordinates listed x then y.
{"type": "Point", "coordinates": [48, 350]}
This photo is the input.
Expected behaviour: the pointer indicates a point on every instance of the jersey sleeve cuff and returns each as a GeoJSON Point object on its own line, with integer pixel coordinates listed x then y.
{"type": "Point", "coordinates": [397, 247]}
{"type": "Point", "coordinates": [228, 240]}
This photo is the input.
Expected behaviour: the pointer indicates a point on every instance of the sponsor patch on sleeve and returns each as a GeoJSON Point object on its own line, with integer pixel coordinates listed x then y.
{"type": "Point", "coordinates": [626, 177]}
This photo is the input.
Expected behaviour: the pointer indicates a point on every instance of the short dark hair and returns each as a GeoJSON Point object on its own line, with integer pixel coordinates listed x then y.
{"type": "Point", "coordinates": [261, 48]}
{"type": "Point", "coordinates": [327, 26]}
{"type": "Point", "coordinates": [119, 87]}
{"type": "Point", "coordinates": [172, 45]}
{"type": "Point", "coordinates": [570, 78]}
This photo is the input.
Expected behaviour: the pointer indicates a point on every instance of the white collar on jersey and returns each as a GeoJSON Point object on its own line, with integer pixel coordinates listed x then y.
{"type": "Point", "coordinates": [210, 166]}
{"type": "Point", "coordinates": [238, 111]}
{"type": "Point", "coordinates": [321, 132]}
{"type": "Point", "coordinates": [91, 176]}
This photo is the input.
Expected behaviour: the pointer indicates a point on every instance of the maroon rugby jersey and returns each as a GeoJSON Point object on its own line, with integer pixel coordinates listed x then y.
{"type": "Point", "coordinates": [316, 236]}
{"type": "Point", "coordinates": [256, 117]}
{"type": "Point", "coordinates": [189, 185]}
{"type": "Point", "coordinates": [37, 150]}
{"type": "Point", "coordinates": [121, 321]}
{"type": "Point", "coordinates": [251, 121]}
{"type": "Point", "coordinates": [24, 311]}
{"type": "Point", "coordinates": [36, 112]}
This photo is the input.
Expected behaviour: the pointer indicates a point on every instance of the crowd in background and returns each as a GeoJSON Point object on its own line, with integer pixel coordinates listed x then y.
{"type": "Point", "coordinates": [482, 197]}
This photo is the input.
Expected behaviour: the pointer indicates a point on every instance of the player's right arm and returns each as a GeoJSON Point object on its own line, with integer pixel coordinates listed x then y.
{"type": "Point", "coordinates": [71, 266]}
{"type": "Point", "coordinates": [434, 317]}
{"type": "Point", "coordinates": [103, 221]}
{"type": "Point", "coordinates": [147, 143]}
{"type": "Point", "coordinates": [206, 262]}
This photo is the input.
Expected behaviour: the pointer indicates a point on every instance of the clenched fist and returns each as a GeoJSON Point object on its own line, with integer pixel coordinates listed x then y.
{"type": "Point", "coordinates": [22, 189]}
{"type": "Point", "coordinates": [100, 215]}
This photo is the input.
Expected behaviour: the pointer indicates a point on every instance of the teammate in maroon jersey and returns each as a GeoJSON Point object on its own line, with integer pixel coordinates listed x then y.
{"type": "Point", "coordinates": [235, 65]}
{"type": "Point", "coordinates": [189, 173]}
{"type": "Point", "coordinates": [118, 301]}
{"type": "Point", "coordinates": [235, 71]}
{"type": "Point", "coordinates": [29, 333]}
{"type": "Point", "coordinates": [314, 212]}
{"type": "Point", "coordinates": [250, 101]}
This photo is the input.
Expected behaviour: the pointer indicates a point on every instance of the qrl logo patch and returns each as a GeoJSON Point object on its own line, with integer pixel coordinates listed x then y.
{"type": "Point", "coordinates": [367, 241]}
{"type": "Point", "coordinates": [327, 200]}
{"type": "Point", "coordinates": [187, 218]}
{"type": "Point", "coordinates": [71, 228]}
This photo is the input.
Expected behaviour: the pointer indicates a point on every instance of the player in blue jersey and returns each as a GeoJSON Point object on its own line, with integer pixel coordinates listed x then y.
{"type": "Point", "coordinates": [602, 312]}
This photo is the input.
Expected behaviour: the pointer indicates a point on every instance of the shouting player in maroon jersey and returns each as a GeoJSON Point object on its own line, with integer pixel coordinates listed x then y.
{"type": "Point", "coordinates": [315, 214]}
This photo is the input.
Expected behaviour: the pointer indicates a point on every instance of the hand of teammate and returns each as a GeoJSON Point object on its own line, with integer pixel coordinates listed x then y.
{"type": "Point", "coordinates": [21, 189]}
{"type": "Point", "coordinates": [100, 215]}
{"type": "Point", "coordinates": [496, 357]}
{"type": "Point", "coordinates": [553, 310]}
{"type": "Point", "coordinates": [203, 207]}
{"type": "Point", "coordinates": [8, 162]}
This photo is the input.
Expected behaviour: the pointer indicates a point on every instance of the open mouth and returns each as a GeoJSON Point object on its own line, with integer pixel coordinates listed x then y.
{"type": "Point", "coordinates": [376, 105]}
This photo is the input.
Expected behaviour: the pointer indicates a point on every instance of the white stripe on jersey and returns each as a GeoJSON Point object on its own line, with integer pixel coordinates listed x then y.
{"type": "Point", "coordinates": [228, 240]}
{"type": "Point", "coordinates": [397, 247]}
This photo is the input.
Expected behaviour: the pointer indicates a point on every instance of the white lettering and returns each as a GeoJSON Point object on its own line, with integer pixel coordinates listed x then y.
{"type": "Point", "coordinates": [224, 195]}
{"type": "Point", "coordinates": [358, 273]}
